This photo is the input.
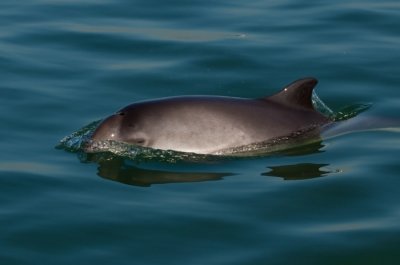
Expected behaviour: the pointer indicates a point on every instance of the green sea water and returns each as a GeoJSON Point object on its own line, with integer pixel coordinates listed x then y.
{"type": "Point", "coordinates": [66, 64]}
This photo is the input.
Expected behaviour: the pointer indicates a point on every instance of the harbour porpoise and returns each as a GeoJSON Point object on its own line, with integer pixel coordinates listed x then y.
{"type": "Point", "coordinates": [214, 124]}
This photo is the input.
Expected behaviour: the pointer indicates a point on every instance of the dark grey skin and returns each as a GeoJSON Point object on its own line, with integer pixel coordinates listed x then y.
{"type": "Point", "coordinates": [214, 124]}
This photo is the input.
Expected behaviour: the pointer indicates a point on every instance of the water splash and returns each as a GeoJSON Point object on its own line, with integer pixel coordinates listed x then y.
{"type": "Point", "coordinates": [138, 153]}
{"type": "Point", "coordinates": [345, 113]}
{"type": "Point", "coordinates": [351, 111]}
{"type": "Point", "coordinates": [76, 141]}
{"type": "Point", "coordinates": [321, 106]}
{"type": "Point", "coordinates": [108, 150]}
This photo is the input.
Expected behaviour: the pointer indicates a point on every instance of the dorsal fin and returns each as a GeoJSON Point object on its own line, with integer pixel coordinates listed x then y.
{"type": "Point", "coordinates": [296, 94]}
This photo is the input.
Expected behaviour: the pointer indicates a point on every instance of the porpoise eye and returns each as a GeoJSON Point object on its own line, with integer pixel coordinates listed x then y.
{"type": "Point", "coordinates": [140, 141]}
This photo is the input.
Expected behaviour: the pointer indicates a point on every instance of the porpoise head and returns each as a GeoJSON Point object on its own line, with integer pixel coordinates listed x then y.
{"type": "Point", "coordinates": [120, 127]}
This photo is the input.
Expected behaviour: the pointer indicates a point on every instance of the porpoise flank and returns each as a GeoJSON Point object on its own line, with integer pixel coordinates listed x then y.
{"type": "Point", "coordinates": [213, 124]}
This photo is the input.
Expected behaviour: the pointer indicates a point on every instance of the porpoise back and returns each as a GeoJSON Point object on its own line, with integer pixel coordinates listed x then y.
{"type": "Point", "coordinates": [214, 124]}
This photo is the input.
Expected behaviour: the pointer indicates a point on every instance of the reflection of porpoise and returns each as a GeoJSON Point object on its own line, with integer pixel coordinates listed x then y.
{"type": "Point", "coordinates": [116, 169]}
{"type": "Point", "coordinates": [213, 124]}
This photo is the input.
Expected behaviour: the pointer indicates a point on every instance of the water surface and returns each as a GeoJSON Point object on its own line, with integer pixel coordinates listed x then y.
{"type": "Point", "coordinates": [65, 64]}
